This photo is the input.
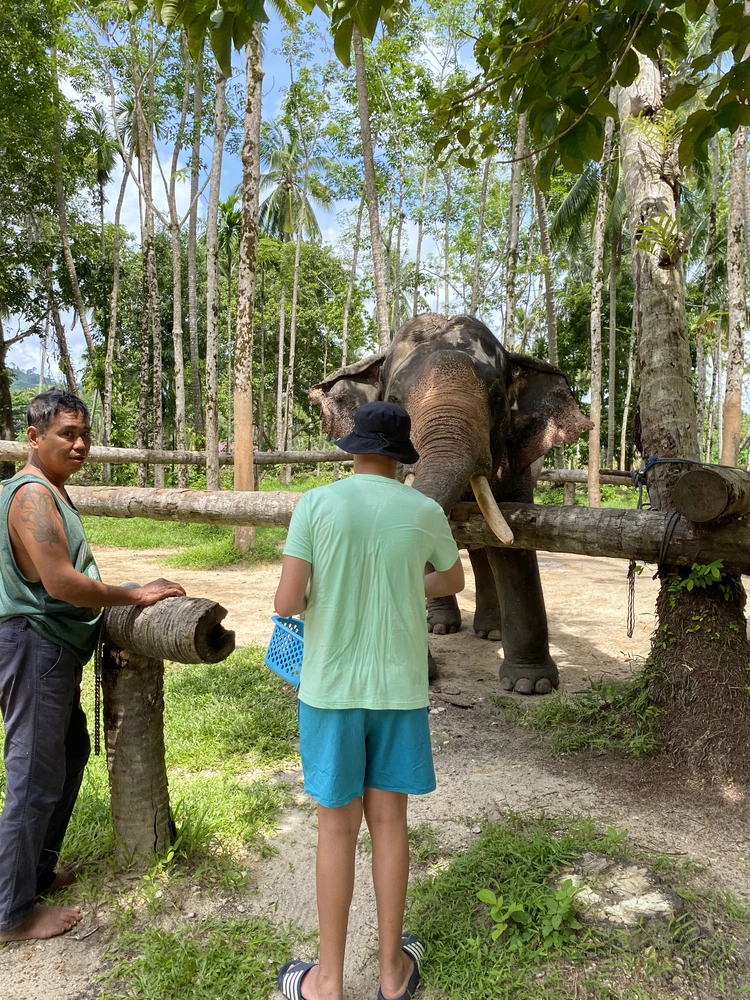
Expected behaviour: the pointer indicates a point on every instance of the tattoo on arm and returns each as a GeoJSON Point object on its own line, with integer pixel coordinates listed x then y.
{"type": "Point", "coordinates": [39, 513]}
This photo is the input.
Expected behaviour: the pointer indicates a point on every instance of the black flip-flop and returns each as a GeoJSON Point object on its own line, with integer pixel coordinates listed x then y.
{"type": "Point", "coordinates": [289, 979]}
{"type": "Point", "coordinates": [415, 949]}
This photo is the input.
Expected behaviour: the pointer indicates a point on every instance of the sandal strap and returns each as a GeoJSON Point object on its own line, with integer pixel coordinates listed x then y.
{"type": "Point", "coordinates": [290, 978]}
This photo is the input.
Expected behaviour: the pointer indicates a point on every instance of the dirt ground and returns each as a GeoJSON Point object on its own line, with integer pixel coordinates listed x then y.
{"type": "Point", "coordinates": [486, 767]}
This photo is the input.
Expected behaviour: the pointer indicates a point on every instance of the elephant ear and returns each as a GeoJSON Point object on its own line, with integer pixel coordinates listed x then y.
{"type": "Point", "coordinates": [544, 412]}
{"type": "Point", "coordinates": [344, 391]}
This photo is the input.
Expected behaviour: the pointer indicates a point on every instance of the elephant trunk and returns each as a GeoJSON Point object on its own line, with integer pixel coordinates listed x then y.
{"type": "Point", "coordinates": [451, 431]}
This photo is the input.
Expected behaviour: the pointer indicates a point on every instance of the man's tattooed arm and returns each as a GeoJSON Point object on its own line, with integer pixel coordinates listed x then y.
{"type": "Point", "coordinates": [38, 513]}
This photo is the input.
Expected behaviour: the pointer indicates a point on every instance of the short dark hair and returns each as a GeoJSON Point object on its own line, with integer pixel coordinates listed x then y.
{"type": "Point", "coordinates": [43, 409]}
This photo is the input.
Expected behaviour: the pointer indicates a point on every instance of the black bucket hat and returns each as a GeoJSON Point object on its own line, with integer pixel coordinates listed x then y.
{"type": "Point", "coordinates": [381, 429]}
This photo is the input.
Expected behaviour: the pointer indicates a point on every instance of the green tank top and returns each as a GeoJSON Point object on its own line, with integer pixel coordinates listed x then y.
{"type": "Point", "coordinates": [64, 624]}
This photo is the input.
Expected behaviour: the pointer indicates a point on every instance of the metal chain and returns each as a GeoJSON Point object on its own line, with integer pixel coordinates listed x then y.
{"type": "Point", "coordinates": [98, 659]}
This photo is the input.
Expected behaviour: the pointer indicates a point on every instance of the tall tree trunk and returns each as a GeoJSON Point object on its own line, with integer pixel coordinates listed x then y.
{"type": "Point", "coordinates": [212, 288]}
{"type": "Point", "coordinates": [626, 404]}
{"type": "Point", "coordinates": [396, 309]}
{"type": "Point", "coordinates": [732, 412]}
{"type": "Point", "coordinates": [509, 333]}
{"type": "Point", "coordinates": [480, 237]}
{"type": "Point", "coordinates": [371, 193]}
{"type": "Point", "coordinates": [109, 353]}
{"type": "Point", "coordinates": [192, 249]}
{"type": "Point", "coordinates": [244, 537]}
{"type": "Point", "coordinates": [597, 284]}
{"type": "Point", "coordinates": [7, 432]}
{"type": "Point", "coordinates": [719, 396]}
{"type": "Point", "coordinates": [697, 702]}
{"type": "Point", "coordinates": [700, 340]}
{"type": "Point", "coordinates": [447, 241]}
{"type": "Point", "coordinates": [230, 354]}
{"type": "Point", "coordinates": [420, 230]}
{"type": "Point", "coordinates": [280, 369]}
{"type": "Point", "coordinates": [180, 420]}
{"type": "Point", "coordinates": [289, 407]}
{"type": "Point", "coordinates": [549, 287]}
{"type": "Point", "coordinates": [62, 211]}
{"type": "Point", "coordinates": [262, 380]}
{"type": "Point", "coordinates": [350, 286]}
{"type": "Point", "coordinates": [614, 268]}
{"type": "Point", "coordinates": [712, 401]}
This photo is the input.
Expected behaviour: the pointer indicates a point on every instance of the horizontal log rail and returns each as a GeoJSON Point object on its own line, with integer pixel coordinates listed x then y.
{"type": "Point", "coordinates": [17, 451]}
{"type": "Point", "coordinates": [616, 533]}
{"type": "Point", "coordinates": [711, 493]}
{"type": "Point", "coordinates": [610, 477]}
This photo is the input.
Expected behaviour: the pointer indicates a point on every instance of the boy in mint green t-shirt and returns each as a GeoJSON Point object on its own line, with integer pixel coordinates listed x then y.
{"type": "Point", "coordinates": [357, 549]}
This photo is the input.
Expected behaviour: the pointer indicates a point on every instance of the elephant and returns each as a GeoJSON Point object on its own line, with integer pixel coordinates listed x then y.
{"type": "Point", "coordinates": [482, 421]}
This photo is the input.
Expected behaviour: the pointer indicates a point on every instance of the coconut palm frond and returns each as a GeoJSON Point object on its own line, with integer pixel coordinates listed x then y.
{"type": "Point", "coordinates": [578, 202]}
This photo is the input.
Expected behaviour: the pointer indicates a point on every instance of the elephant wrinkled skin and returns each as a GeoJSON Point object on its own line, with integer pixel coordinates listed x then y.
{"type": "Point", "coordinates": [476, 410]}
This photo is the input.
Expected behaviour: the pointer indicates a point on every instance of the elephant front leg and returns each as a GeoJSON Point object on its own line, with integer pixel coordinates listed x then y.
{"type": "Point", "coordinates": [527, 666]}
{"type": "Point", "coordinates": [443, 616]}
{"type": "Point", "coordinates": [487, 620]}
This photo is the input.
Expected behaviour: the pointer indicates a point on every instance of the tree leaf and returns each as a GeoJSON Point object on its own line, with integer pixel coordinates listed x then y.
{"type": "Point", "coordinates": [487, 896]}
{"type": "Point", "coordinates": [628, 70]}
{"type": "Point", "coordinates": [729, 116]}
{"type": "Point", "coordinates": [695, 9]}
{"type": "Point", "coordinates": [255, 10]}
{"type": "Point", "coordinates": [221, 43]}
{"type": "Point", "coordinates": [682, 93]}
{"type": "Point", "coordinates": [370, 13]}
{"type": "Point", "coordinates": [671, 21]}
{"type": "Point", "coordinates": [196, 34]}
{"type": "Point", "coordinates": [342, 42]}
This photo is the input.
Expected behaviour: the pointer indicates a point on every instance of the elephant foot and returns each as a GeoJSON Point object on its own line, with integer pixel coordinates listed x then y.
{"type": "Point", "coordinates": [488, 627]}
{"type": "Point", "coordinates": [529, 678]}
{"type": "Point", "coordinates": [432, 670]}
{"type": "Point", "coordinates": [443, 616]}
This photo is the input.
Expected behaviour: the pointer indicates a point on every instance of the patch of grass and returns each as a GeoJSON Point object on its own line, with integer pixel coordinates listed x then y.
{"type": "Point", "coordinates": [517, 859]}
{"type": "Point", "coordinates": [229, 716]}
{"type": "Point", "coordinates": [618, 715]}
{"type": "Point", "coordinates": [204, 546]}
{"type": "Point", "coordinates": [612, 496]}
{"type": "Point", "coordinates": [221, 721]}
{"type": "Point", "coordinates": [198, 961]}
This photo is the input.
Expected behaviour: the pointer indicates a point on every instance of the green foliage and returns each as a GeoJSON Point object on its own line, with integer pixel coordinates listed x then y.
{"type": "Point", "coordinates": [552, 926]}
{"type": "Point", "coordinates": [700, 577]}
{"type": "Point", "coordinates": [606, 716]}
{"type": "Point", "coordinates": [557, 65]}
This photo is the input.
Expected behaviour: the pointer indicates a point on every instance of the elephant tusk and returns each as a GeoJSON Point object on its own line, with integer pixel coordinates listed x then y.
{"type": "Point", "coordinates": [409, 480]}
{"type": "Point", "coordinates": [490, 510]}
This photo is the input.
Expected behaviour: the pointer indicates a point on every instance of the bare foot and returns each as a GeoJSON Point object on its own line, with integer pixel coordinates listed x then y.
{"type": "Point", "coordinates": [64, 877]}
{"type": "Point", "coordinates": [393, 989]}
{"type": "Point", "coordinates": [44, 922]}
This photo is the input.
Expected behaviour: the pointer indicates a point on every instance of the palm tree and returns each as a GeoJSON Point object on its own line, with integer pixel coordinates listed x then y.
{"type": "Point", "coordinates": [294, 174]}
{"type": "Point", "coordinates": [102, 157]}
{"type": "Point", "coordinates": [230, 224]}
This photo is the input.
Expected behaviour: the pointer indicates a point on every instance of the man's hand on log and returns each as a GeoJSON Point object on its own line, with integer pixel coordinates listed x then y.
{"type": "Point", "coordinates": [157, 590]}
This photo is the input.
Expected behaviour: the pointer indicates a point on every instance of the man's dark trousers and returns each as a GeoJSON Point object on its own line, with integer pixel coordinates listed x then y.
{"type": "Point", "coordinates": [46, 749]}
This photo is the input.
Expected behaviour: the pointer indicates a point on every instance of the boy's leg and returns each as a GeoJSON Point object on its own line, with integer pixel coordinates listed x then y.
{"type": "Point", "coordinates": [337, 846]}
{"type": "Point", "coordinates": [385, 813]}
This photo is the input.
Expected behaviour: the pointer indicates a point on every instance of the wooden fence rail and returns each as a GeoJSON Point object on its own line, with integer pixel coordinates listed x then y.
{"type": "Point", "coordinates": [617, 533]}
{"type": "Point", "coordinates": [17, 451]}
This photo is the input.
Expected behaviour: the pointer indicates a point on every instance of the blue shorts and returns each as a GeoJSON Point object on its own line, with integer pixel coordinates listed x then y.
{"type": "Point", "coordinates": [345, 750]}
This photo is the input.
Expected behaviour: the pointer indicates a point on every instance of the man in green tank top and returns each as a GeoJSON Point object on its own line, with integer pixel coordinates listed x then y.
{"type": "Point", "coordinates": [50, 605]}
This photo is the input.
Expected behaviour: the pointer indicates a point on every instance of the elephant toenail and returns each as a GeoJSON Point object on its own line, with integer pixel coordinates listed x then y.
{"type": "Point", "coordinates": [524, 686]}
{"type": "Point", "coordinates": [543, 686]}
{"type": "Point", "coordinates": [506, 683]}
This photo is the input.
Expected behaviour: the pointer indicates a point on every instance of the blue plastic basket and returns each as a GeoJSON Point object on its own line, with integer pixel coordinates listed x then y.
{"type": "Point", "coordinates": [284, 653]}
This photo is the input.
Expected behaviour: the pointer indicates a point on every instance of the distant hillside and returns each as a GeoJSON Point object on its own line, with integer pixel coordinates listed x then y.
{"type": "Point", "coordinates": [27, 379]}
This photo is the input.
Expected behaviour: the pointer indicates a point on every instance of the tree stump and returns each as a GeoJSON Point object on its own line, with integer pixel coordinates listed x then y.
{"type": "Point", "coordinates": [133, 697]}
{"type": "Point", "coordinates": [137, 640]}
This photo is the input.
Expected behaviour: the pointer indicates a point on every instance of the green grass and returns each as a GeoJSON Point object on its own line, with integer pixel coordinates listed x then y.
{"type": "Point", "coordinates": [614, 716]}
{"type": "Point", "coordinates": [517, 860]}
{"type": "Point", "coordinates": [209, 959]}
{"type": "Point", "coordinates": [612, 496]}
{"type": "Point", "coordinates": [226, 726]}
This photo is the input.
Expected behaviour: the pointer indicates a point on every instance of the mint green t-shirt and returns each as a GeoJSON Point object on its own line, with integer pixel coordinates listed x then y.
{"type": "Point", "coordinates": [368, 539]}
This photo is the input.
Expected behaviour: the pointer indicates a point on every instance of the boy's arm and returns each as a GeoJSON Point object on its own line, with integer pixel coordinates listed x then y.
{"type": "Point", "coordinates": [450, 581]}
{"type": "Point", "coordinates": [291, 593]}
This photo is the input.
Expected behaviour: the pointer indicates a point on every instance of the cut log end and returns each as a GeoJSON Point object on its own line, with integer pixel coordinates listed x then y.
{"type": "Point", "coordinates": [711, 493]}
